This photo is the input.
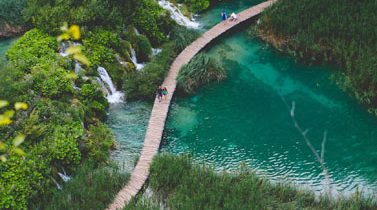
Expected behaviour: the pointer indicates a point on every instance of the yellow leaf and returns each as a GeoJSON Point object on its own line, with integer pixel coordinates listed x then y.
{"type": "Point", "coordinates": [3, 158]}
{"type": "Point", "coordinates": [80, 57]}
{"type": "Point", "coordinates": [64, 27]}
{"type": "Point", "coordinates": [3, 103]}
{"type": "Point", "coordinates": [5, 120]}
{"type": "Point", "coordinates": [18, 151]}
{"type": "Point", "coordinates": [18, 140]}
{"type": "Point", "coordinates": [9, 113]}
{"type": "Point", "coordinates": [2, 146]}
{"type": "Point", "coordinates": [20, 105]}
{"type": "Point", "coordinates": [74, 31]}
{"type": "Point", "coordinates": [72, 50]}
{"type": "Point", "coordinates": [64, 36]}
{"type": "Point", "coordinates": [72, 75]}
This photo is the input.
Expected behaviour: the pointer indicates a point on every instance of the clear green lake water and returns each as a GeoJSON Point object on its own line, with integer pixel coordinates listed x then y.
{"type": "Point", "coordinates": [244, 119]}
{"type": "Point", "coordinates": [4, 46]}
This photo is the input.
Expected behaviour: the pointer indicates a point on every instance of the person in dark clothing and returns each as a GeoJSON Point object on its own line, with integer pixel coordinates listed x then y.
{"type": "Point", "coordinates": [224, 16]}
{"type": "Point", "coordinates": [159, 93]}
{"type": "Point", "coordinates": [164, 92]}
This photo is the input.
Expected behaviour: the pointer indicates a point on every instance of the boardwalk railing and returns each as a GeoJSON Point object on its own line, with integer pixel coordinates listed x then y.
{"type": "Point", "coordinates": [160, 109]}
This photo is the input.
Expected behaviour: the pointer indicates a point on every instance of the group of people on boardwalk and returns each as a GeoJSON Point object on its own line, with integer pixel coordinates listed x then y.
{"type": "Point", "coordinates": [161, 93]}
{"type": "Point", "coordinates": [224, 16]}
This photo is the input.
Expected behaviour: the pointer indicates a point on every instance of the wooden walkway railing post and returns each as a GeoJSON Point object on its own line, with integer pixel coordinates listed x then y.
{"type": "Point", "coordinates": [160, 109]}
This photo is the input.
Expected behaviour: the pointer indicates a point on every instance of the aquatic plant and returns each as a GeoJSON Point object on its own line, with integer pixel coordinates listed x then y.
{"type": "Point", "coordinates": [342, 34]}
{"type": "Point", "coordinates": [92, 187]}
{"type": "Point", "coordinates": [181, 184]}
{"type": "Point", "coordinates": [201, 70]}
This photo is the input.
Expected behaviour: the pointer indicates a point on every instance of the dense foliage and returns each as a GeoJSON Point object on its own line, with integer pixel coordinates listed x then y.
{"type": "Point", "coordinates": [143, 84]}
{"type": "Point", "coordinates": [179, 184]}
{"type": "Point", "coordinates": [63, 124]}
{"type": "Point", "coordinates": [195, 5]}
{"type": "Point", "coordinates": [200, 71]}
{"type": "Point", "coordinates": [11, 12]}
{"type": "Point", "coordinates": [341, 33]}
{"type": "Point", "coordinates": [92, 187]}
{"type": "Point", "coordinates": [58, 125]}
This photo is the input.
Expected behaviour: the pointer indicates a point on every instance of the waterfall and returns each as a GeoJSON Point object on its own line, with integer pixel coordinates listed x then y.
{"type": "Point", "coordinates": [177, 15]}
{"type": "Point", "coordinates": [137, 32]}
{"type": "Point", "coordinates": [56, 183]}
{"type": "Point", "coordinates": [64, 177]}
{"type": "Point", "coordinates": [78, 68]}
{"type": "Point", "coordinates": [112, 95]}
{"type": "Point", "coordinates": [156, 51]}
{"type": "Point", "coordinates": [134, 60]}
{"type": "Point", "coordinates": [64, 46]}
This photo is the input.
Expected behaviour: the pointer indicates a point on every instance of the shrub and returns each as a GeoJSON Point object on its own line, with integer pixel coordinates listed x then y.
{"type": "Point", "coordinates": [95, 103]}
{"type": "Point", "coordinates": [182, 37]}
{"type": "Point", "coordinates": [147, 18]}
{"type": "Point", "coordinates": [10, 12]}
{"type": "Point", "coordinates": [91, 188]}
{"type": "Point", "coordinates": [98, 142]}
{"type": "Point", "coordinates": [196, 5]}
{"type": "Point", "coordinates": [64, 144]}
{"type": "Point", "coordinates": [35, 47]}
{"type": "Point", "coordinates": [143, 84]}
{"type": "Point", "coordinates": [15, 84]}
{"type": "Point", "coordinates": [143, 49]}
{"type": "Point", "coordinates": [99, 45]}
{"type": "Point", "coordinates": [50, 81]}
{"type": "Point", "coordinates": [199, 71]}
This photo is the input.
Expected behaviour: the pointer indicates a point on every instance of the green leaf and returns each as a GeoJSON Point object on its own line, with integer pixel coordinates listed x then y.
{"type": "Point", "coordinates": [3, 103]}
{"type": "Point", "coordinates": [82, 59]}
{"type": "Point", "coordinates": [3, 158]}
{"type": "Point", "coordinates": [18, 140]}
{"type": "Point", "coordinates": [2, 146]}
{"type": "Point", "coordinates": [18, 151]}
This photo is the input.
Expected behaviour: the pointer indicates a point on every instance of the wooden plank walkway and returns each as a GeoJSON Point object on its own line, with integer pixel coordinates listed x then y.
{"type": "Point", "coordinates": [160, 109]}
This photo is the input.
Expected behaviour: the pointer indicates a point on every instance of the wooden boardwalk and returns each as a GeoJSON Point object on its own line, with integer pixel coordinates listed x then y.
{"type": "Point", "coordinates": [160, 109]}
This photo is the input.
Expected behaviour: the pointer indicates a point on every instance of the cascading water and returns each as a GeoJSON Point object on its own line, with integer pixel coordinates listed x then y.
{"type": "Point", "coordinates": [64, 177]}
{"type": "Point", "coordinates": [156, 51]}
{"type": "Point", "coordinates": [177, 15]}
{"type": "Point", "coordinates": [112, 95]}
{"type": "Point", "coordinates": [134, 60]}
{"type": "Point", "coordinates": [64, 46]}
{"type": "Point", "coordinates": [78, 68]}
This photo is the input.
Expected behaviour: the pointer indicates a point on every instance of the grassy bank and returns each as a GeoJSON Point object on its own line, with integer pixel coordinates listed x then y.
{"type": "Point", "coordinates": [180, 184]}
{"type": "Point", "coordinates": [340, 33]}
{"type": "Point", "coordinates": [92, 187]}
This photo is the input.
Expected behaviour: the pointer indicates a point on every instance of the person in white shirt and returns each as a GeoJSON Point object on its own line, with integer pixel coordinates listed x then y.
{"type": "Point", "coordinates": [233, 17]}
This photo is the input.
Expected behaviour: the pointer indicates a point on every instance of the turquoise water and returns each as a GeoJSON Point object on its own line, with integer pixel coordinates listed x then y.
{"type": "Point", "coordinates": [245, 120]}
{"type": "Point", "coordinates": [4, 46]}
{"type": "Point", "coordinates": [128, 122]}
{"type": "Point", "coordinates": [211, 17]}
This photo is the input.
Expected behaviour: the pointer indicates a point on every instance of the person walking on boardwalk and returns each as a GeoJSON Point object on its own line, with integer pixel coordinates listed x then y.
{"type": "Point", "coordinates": [233, 17]}
{"type": "Point", "coordinates": [159, 93]}
{"type": "Point", "coordinates": [164, 92]}
{"type": "Point", "coordinates": [224, 16]}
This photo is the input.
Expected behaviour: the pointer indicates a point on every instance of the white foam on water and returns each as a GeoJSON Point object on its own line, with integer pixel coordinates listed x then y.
{"type": "Point", "coordinates": [176, 14]}
{"type": "Point", "coordinates": [134, 60]}
{"type": "Point", "coordinates": [112, 94]}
